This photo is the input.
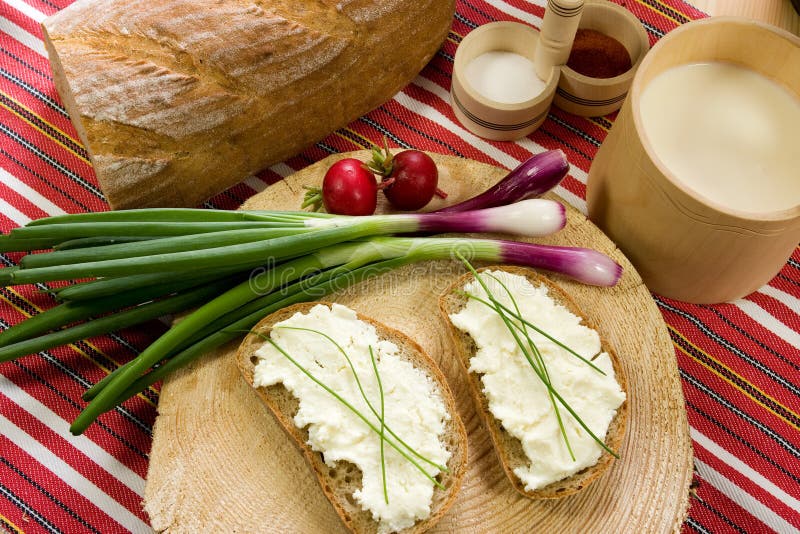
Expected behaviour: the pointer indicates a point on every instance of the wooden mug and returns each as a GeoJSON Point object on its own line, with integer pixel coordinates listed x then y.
{"type": "Point", "coordinates": [684, 246]}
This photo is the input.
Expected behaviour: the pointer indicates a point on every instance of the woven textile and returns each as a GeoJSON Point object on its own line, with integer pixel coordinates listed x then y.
{"type": "Point", "coordinates": [739, 362]}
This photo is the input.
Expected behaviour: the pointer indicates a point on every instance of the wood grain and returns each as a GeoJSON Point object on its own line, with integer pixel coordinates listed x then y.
{"type": "Point", "coordinates": [219, 461]}
{"type": "Point", "coordinates": [779, 13]}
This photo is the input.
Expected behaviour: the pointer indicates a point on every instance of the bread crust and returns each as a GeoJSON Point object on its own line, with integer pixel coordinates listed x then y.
{"type": "Point", "coordinates": [177, 100]}
{"type": "Point", "coordinates": [283, 407]}
{"type": "Point", "coordinates": [508, 448]}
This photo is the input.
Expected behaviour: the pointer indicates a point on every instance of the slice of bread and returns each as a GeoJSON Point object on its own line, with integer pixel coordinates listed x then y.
{"type": "Point", "coordinates": [509, 449]}
{"type": "Point", "coordinates": [340, 482]}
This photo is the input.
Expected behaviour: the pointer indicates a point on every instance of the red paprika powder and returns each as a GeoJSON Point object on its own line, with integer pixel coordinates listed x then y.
{"type": "Point", "coordinates": [597, 55]}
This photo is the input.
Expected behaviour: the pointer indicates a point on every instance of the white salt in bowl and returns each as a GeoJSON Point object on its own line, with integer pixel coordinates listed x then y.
{"type": "Point", "coordinates": [483, 116]}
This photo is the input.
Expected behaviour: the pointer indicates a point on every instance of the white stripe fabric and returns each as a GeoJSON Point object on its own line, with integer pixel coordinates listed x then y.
{"type": "Point", "coordinates": [27, 10]}
{"type": "Point", "coordinates": [768, 321]}
{"type": "Point", "coordinates": [255, 183]}
{"type": "Point", "coordinates": [743, 499]}
{"type": "Point", "coordinates": [746, 471]}
{"type": "Point", "coordinates": [424, 110]}
{"type": "Point", "coordinates": [30, 193]}
{"type": "Point", "coordinates": [13, 213]}
{"type": "Point", "coordinates": [57, 424]}
{"type": "Point", "coordinates": [516, 12]}
{"type": "Point", "coordinates": [24, 37]}
{"type": "Point", "coordinates": [781, 296]}
{"type": "Point", "coordinates": [72, 478]}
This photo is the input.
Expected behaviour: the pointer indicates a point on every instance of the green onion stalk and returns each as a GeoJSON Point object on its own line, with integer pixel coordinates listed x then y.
{"type": "Point", "coordinates": [238, 267]}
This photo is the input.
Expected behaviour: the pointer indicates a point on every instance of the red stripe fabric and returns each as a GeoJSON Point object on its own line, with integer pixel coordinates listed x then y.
{"type": "Point", "coordinates": [739, 362]}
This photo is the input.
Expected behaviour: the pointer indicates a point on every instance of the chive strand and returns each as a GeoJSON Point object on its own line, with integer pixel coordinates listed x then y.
{"type": "Point", "coordinates": [383, 425]}
{"type": "Point", "coordinates": [352, 409]}
{"type": "Point", "coordinates": [536, 328]}
{"type": "Point", "coordinates": [542, 366]}
{"type": "Point", "coordinates": [361, 390]}
{"type": "Point", "coordinates": [512, 330]}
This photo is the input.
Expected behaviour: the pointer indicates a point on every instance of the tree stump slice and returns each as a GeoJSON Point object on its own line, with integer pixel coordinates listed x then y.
{"type": "Point", "coordinates": [219, 462]}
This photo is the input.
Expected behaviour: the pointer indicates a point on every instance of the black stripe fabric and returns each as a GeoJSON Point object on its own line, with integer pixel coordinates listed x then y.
{"type": "Point", "coordinates": [52, 104]}
{"type": "Point", "coordinates": [757, 451]}
{"type": "Point", "coordinates": [47, 182]}
{"type": "Point", "coordinates": [4, 128]}
{"type": "Point", "coordinates": [133, 448]}
{"type": "Point", "coordinates": [754, 362]}
{"type": "Point", "coordinates": [49, 495]}
{"type": "Point", "coordinates": [28, 510]}
{"type": "Point", "coordinates": [49, 129]}
{"type": "Point", "coordinates": [767, 431]}
{"type": "Point", "coordinates": [25, 64]}
{"type": "Point", "coordinates": [743, 384]}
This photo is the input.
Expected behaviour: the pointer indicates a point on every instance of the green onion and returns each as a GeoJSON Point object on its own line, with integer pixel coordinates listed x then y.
{"type": "Point", "coordinates": [173, 215]}
{"type": "Point", "coordinates": [103, 325]}
{"type": "Point", "coordinates": [70, 312]}
{"type": "Point", "coordinates": [104, 287]}
{"type": "Point", "coordinates": [86, 242]}
{"type": "Point", "coordinates": [158, 246]}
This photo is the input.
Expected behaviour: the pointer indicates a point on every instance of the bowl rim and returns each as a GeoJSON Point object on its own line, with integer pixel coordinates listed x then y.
{"type": "Point", "coordinates": [460, 63]}
{"type": "Point", "coordinates": [635, 92]}
{"type": "Point", "coordinates": [644, 42]}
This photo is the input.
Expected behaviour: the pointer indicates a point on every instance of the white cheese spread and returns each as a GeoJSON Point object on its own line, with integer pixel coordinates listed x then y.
{"type": "Point", "coordinates": [516, 395]}
{"type": "Point", "coordinates": [413, 406]}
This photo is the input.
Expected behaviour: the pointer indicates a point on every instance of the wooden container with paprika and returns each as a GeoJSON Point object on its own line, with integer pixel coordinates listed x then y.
{"type": "Point", "coordinates": [607, 50]}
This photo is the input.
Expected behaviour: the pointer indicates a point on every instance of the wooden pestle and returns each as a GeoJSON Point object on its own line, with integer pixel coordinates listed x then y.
{"type": "Point", "coordinates": [561, 18]}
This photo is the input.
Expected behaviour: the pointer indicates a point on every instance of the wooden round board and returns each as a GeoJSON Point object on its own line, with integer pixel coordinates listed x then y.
{"type": "Point", "coordinates": [219, 461]}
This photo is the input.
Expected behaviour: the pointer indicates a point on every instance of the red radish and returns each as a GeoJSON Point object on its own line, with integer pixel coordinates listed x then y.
{"type": "Point", "coordinates": [410, 178]}
{"type": "Point", "coordinates": [349, 188]}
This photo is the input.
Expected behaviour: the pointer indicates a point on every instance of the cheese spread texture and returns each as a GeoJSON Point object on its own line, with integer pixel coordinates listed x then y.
{"type": "Point", "coordinates": [516, 395]}
{"type": "Point", "coordinates": [413, 406]}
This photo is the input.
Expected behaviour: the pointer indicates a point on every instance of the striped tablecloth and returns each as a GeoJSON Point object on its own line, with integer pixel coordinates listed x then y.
{"type": "Point", "coordinates": [739, 362]}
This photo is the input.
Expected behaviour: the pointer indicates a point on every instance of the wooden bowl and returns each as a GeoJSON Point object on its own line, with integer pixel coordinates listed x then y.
{"type": "Point", "coordinates": [592, 97]}
{"type": "Point", "coordinates": [485, 117]}
{"type": "Point", "coordinates": [687, 246]}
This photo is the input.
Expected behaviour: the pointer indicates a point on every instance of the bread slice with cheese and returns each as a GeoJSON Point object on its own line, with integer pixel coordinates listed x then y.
{"type": "Point", "coordinates": [341, 481]}
{"type": "Point", "coordinates": [509, 448]}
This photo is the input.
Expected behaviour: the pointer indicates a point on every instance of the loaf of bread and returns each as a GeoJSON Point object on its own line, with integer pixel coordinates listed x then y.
{"type": "Point", "coordinates": [177, 100]}
{"type": "Point", "coordinates": [509, 449]}
{"type": "Point", "coordinates": [339, 484]}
